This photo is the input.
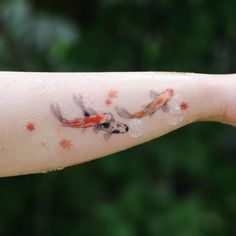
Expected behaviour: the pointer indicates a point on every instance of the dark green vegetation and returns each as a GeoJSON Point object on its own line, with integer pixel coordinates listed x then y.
{"type": "Point", "coordinates": [182, 184]}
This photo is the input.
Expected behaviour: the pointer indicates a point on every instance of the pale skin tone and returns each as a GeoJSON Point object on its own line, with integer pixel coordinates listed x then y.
{"type": "Point", "coordinates": [34, 140]}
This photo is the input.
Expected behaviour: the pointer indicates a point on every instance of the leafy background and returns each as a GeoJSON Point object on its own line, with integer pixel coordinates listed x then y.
{"type": "Point", "coordinates": [181, 184]}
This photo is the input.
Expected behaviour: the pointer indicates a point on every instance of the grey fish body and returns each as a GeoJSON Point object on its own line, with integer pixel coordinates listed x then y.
{"type": "Point", "coordinates": [113, 127]}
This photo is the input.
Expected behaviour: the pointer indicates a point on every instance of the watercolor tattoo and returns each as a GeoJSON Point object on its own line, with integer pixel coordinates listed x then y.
{"type": "Point", "coordinates": [159, 101]}
{"type": "Point", "coordinates": [105, 121]}
{"type": "Point", "coordinates": [108, 101]}
{"type": "Point", "coordinates": [183, 106]}
{"type": "Point", "coordinates": [98, 121]}
{"type": "Point", "coordinates": [30, 126]}
{"type": "Point", "coordinates": [112, 93]}
{"type": "Point", "coordinates": [65, 144]}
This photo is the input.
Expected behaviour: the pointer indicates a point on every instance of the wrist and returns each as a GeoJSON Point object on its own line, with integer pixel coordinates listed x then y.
{"type": "Point", "coordinates": [220, 96]}
{"type": "Point", "coordinates": [227, 87]}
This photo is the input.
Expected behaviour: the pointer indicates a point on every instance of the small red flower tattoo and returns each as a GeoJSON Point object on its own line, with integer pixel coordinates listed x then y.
{"type": "Point", "coordinates": [66, 144]}
{"type": "Point", "coordinates": [112, 93]}
{"type": "Point", "coordinates": [30, 126]}
{"type": "Point", "coordinates": [183, 106]}
{"type": "Point", "coordinates": [108, 101]}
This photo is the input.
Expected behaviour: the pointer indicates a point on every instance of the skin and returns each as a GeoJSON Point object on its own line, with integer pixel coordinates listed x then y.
{"type": "Point", "coordinates": [33, 140]}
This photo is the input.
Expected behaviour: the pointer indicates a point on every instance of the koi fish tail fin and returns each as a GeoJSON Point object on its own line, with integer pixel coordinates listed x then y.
{"type": "Point", "coordinates": [79, 101]}
{"type": "Point", "coordinates": [56, 111]}
{"type": "Point", "coordinates": [122, 112]}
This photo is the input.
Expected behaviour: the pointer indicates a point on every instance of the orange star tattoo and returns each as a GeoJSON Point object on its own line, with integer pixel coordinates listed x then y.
{"type": "Point", "coordinates": [112, 93]}
{"type": "Point", "coordinates": [30, 126]}
{"type": "Point", "coordinates": [66, 144]}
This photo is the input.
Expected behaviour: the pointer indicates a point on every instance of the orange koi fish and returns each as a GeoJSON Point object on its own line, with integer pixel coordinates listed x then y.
{"type": "Point", "coordinates": [91, 117]}
{"type": "Point", "coordinates": [159, 102]}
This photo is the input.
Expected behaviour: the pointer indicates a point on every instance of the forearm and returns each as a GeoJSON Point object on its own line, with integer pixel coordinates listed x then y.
{"type": "Point", "coordinates": [43, 126]}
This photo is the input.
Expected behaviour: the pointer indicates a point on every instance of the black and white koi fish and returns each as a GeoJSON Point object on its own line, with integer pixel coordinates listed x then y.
{"type": "Point", "coordinates": [110, 126]}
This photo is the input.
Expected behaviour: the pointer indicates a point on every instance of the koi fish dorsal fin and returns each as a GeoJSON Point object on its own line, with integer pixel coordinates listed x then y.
{"type": "Point", "coordinates": [165, 108]}
{"type": "Point", "coordinates": [96, 129]}
{"type": "Point", "coordinates": [79, 101]}
{"type": "Point", "coordinates": [154, 94]}
{"type": "Point", "coordinates": [55, 109]}
{"type": "Point", "coordinates": [91, 111]}
{"type": "Point", "coordinates": [151, 114]}
{"type": "Point", "coordinates": [112, 117]}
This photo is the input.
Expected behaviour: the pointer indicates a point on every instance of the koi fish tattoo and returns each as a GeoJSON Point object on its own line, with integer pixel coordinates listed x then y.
{"type": "Point", "coordinates": [159, 101]}
{"type": "Point", "coordinates": [105, 121]}
{"type": "Point", "coordinates": [98, 121]}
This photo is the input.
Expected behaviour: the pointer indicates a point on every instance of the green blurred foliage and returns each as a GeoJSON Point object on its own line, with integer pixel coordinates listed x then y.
{"type": "Point", "coordinates": [179, 185]}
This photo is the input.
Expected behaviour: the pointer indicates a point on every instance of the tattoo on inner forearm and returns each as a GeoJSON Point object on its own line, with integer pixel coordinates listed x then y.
{"type": "Point", "coordinates": [119, 122]}
{"type": "Point", "coordinates": [106, 122]}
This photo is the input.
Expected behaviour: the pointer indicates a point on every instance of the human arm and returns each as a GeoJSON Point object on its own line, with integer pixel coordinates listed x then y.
{"type": "Point", "coordinates": [35, 139]}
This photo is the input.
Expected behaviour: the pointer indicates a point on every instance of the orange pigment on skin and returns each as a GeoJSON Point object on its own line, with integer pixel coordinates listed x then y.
{"type": "Point", "coordinates": [65, 144]}
{"type": "Point", "coordinates": [30, 126]}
